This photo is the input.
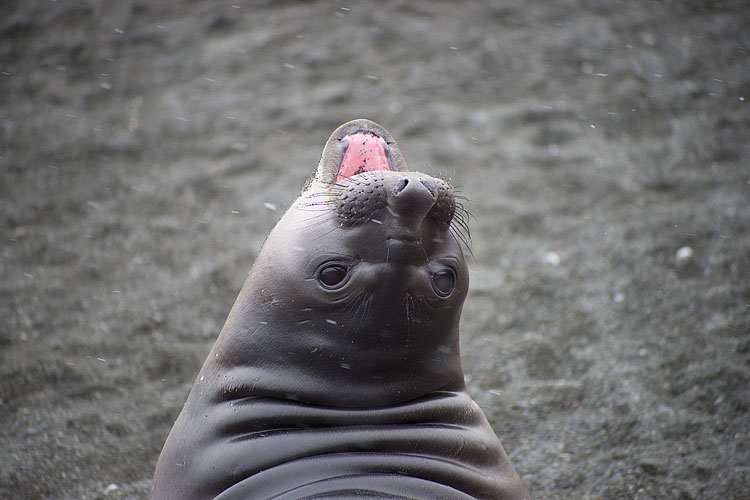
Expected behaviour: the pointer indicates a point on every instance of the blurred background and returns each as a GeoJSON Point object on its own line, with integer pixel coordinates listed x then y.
{"type": "Point", "coordinates": [148, 147]}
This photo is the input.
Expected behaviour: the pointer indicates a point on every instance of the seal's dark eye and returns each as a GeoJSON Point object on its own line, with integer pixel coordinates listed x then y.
{"type": "Point", "coordinates": [443, 282]}
{"type": "Point", "coordinates": [332, 275]}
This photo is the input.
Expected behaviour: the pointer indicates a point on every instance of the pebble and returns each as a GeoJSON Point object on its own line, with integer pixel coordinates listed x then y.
{"type": "Point", "coordinates": [552, 259]}
{"type": "Point", "coordinates": [683, 255]}
{"type": "Point", "coordinates": [110, 488]}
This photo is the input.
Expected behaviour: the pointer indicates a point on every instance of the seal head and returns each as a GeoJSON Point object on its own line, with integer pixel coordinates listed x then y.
{"type": "Point", "coordinates": [338, 370]}
{"type": "Point", "coordinates": [356, 295]}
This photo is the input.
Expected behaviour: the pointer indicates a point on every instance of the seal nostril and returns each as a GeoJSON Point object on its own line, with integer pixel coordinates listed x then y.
{"type": "Point", "coordinates": [401, 185]}
{"type": "Point", "coordinates": [430, 187]}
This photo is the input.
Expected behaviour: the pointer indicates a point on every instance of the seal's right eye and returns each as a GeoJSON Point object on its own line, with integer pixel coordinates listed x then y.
{"type": "Point", "coordinates": [443, 282]}
{"type": "Point", "coordinates": [332, 275]}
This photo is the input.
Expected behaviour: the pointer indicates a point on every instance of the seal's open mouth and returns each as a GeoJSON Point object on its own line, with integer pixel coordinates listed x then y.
{"type": "Point", "coordinates": [365, 152]}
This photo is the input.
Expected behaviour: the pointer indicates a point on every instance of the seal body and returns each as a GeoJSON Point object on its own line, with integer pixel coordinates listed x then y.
{"type": "Point", "coordinates": [338, 373]}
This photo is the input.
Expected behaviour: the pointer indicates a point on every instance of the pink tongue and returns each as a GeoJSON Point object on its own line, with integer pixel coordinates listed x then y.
{"type": "Point", "coordinates": [366, 152]}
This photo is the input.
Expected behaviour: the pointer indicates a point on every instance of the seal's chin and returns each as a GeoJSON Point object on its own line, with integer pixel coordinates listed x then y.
{"type": "Point", "coordinates": [364, 152]}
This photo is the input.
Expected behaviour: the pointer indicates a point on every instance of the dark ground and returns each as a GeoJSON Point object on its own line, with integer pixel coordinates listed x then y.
{"type": "Point", "coordinates": [147, 148]}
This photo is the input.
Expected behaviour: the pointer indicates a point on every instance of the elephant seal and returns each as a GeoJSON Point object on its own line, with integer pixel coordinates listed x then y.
{"type": "Point", "coordinates": [338, 373]}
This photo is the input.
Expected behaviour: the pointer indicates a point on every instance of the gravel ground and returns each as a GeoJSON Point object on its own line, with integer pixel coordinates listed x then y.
{"type": "Point", "coordinates": [148, 147]}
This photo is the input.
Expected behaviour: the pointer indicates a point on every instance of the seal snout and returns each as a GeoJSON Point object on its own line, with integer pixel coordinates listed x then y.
{"type": "Point", "coordinates": [413, 197]}
{"type": "Point", "coordinates": [404, 198]}
{"type": "Point", "coordinates": [367, 176]}
{"type": "Point", "coordinates": [425, 182]}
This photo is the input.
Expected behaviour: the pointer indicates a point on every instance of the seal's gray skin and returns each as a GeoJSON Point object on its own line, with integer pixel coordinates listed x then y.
{"type": "Point", "coordinates": [338, 372]}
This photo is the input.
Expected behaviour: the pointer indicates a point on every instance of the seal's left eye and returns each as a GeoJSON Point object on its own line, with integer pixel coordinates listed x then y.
{"type": "Point", "coordinates": [443, 282]}
{"type": "Point", "coordinates": [332, 275]}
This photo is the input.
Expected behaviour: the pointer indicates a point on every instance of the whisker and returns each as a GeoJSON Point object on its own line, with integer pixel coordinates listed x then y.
{"type": "Point", "coordinates": [334, 228]}
{"type": "Point", "coordinates": [344, 183]}
{"type": "Point", "coordinates": [316, 219]}
{"type": "Point", "coordinates": [459, 228]}
{"type": "Point", "coordinates": [358, 312]}
{"type": "Point", "coordinates": [367, 303]}
{"type": "Point", "coordinates": [461, 216]}
{"type": "Point", "coordinates": [352, 310]}
{"type": "Point", "coordinates": [409, 309]}
{"type": "Point", "coordinates": [418, 307]}
{"type": "Point", "coordinates": [464, 211]}
{"type": "Point", "coordinates": [317, 196]}
{"type": "Point", "coordinates": [315, 207]}
{"type": "Point", "coordinates": [462, 228]}
{"type": "Point", "coordinates": [460, 239]}
{"type": "Point", "coordinates": [316, 200]}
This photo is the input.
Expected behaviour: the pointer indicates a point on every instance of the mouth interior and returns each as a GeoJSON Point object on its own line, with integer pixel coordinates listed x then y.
{"type": "Point", "coordinates": [366, 152]}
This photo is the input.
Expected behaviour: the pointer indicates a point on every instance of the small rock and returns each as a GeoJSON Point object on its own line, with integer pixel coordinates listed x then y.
{"type": "Point", "coordinates": [651, 467]}
{"type": "Point", "coordinates": [683, 255]}
{"type": "Point", "coordinates": [110, 488]}
{"type": "Point", "coordinates": [552, 259]}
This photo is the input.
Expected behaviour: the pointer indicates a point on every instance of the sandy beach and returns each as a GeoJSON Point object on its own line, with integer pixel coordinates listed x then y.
{"type": "Point", "coordinates": [147, 149]}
